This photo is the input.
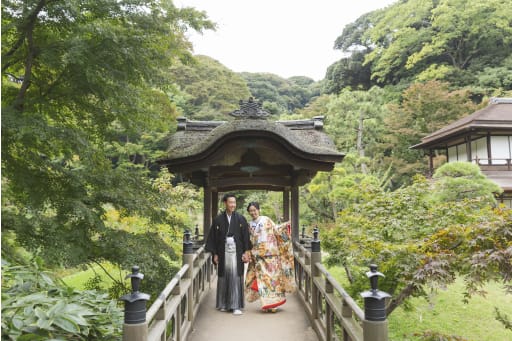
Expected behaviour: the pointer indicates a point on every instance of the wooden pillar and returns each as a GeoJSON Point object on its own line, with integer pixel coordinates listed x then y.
{"type": "Point", "coordinates": [489, 151]}
{"type": "Point", "coordinates": [286, 205]}
{"type": "Point", "coordinates": [468, 148]}
{"type": "Point", "coordinates": [215, 204]}
{"type": "Point", "coordinates": [135, 332]}
{"type": "Point", "coordinates": [207, 213]}
{"type": "Point", "coordinates": [375, 330]}
{"type": "Point", "coordinates": [188, 258]}
{"type": "Point", "coordinates": [316, 257]}
{"type": "Point", "coordinates": [295, 212]}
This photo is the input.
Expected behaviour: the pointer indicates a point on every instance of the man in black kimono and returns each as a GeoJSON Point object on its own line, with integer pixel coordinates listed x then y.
{"type": "Point", "coordinates": [229, 243]}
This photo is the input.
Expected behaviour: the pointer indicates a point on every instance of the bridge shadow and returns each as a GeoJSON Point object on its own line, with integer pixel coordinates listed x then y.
{"type": "Point", "coordinates": [290, 322]}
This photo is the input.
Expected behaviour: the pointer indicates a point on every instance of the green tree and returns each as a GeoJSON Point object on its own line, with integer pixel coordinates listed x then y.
{"type": "Point", "coordinates": [355, 120]}
{"type": "Point", "coordinates": [421, 241]}
{"type": "Point", "coordinates": [456, 181]}
{"type": "Point", "coordinates": [425, 108]}
{"type": "Point", "coordinates": [349, 72]}
{"type": "Point", "coordinates": [462, 35]}
{"type": "Point", "coordinates": [450, 40]}
{"type": "Point", "coordinates": [84, 102]}
{"type": "Point", "coordinates": [280, 95]}
{"type": "Point", "coordinates": [209, 89]}
{"type": "Point", "coordinates": [329, 193]}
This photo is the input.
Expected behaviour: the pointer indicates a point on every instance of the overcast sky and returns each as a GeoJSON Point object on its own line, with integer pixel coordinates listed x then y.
{"type": "Point", "coordinates": [284, 37]}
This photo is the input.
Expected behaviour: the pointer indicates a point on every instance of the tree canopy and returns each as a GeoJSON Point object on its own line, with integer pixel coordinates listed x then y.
{"type": "Point", "coordinates": [85, 109]}
{"type": "Point", "coordinates": [207, 89]}
{"type": "Point", "coordinates": [447, 40]}
{"type": "Point", "coordinates": [91, 90]}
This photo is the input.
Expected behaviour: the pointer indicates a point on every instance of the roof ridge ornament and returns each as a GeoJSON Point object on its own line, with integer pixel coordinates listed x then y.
{"type": "Point", "coordinates": [250, 109]}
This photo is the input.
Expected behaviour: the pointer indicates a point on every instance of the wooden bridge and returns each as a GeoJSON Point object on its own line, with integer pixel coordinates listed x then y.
{"type": "Point", "coordinates": [319, 310]}
{"type": "Point", "coordinates": [251, 152]}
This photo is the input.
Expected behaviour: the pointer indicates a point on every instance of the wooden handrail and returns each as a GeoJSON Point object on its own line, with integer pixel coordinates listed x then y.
{"type": "Point", "coordinates": [157, 304]}
{"type": "Point", "coordinates": [176, 306]}
{"type": "Point", "coordinates": [358, 312]}
{"type": "Point", "coordinates": [330, 309]}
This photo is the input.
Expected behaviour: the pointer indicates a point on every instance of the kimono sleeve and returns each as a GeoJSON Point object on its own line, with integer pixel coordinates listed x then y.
{"type": "Point", "coordinates": [211, 241]}
{"type": "Point", "coordinates": [246, 240]}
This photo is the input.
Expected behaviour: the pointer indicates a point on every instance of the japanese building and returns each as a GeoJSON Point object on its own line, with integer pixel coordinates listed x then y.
{"type": "Point", "coordinates": [250, 152]}
{"type": "Point", "coordinates": [484, 138]}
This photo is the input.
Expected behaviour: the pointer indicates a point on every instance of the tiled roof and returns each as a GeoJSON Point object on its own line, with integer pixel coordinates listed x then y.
{"type": "Point", "coordinates": [496, 116]}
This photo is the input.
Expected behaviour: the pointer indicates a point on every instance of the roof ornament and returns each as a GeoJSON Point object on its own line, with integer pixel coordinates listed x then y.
{"type": "Point", "coordinates": [250, 109]}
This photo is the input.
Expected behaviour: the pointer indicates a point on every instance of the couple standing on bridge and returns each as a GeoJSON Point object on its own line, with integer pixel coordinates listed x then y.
{"type": "Point", "coordinates": [267, 249]}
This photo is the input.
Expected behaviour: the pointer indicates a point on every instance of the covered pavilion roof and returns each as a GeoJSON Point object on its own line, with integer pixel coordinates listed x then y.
{"type": "Point", "coordinates": [250, 151]}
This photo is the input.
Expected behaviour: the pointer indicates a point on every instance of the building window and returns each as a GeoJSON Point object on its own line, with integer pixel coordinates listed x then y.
{"type": "Point", "coordinates": [479, 151]}
{"type": "Point", "coordinates": [458, 153]}
{"type": "Point", "coordinates": [500, 149]}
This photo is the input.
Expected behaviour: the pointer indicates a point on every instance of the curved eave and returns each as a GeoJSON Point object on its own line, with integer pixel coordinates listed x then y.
{"type": "Point", "coordinates": [201, 152]}
{"type": "Point", "coordinates": [326, 146]}
{"type": "Point", "coordinates": [440, 141]}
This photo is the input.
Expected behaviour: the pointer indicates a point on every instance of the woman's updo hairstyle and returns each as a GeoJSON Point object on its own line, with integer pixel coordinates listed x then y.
{"type": "Point", "coordinates": [255, 204]}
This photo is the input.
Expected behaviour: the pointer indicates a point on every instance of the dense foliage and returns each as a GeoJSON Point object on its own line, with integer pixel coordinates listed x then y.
{"type": "Point", "coordinates": [207, 89]}
{"type": "Point", "coordinates": [424, 235]}
{"type": "Point", "coordinates": [85, 109]}
{"type": "Point", "coordinates": [279, 95]}
{"type": "Point", "coordinates": [36, 306]}
{"type": "Point", "coordinates": [92, 89]}
{"type": "Point", "coordinates": [416, 40]}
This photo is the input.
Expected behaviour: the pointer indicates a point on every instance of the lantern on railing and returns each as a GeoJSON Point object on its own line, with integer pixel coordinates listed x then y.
{"type": "Point", "coordinates": [374, 299]}
{"type": "Point", "coordinates": [197, 232]}
{"type": "Point", "coordinates": [188, 246]}
{"type": "Point", "coordinates": [315, 243]}
{"type": "Point", "coordinates": [135, 303]}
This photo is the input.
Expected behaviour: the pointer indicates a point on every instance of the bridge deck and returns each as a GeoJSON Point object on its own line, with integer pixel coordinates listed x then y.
{"type": "Point", "coordinates": [290, 322]}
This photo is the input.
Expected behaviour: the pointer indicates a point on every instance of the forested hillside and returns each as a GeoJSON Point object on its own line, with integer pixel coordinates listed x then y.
{"type": "Point", "coordinates": [92, 90]}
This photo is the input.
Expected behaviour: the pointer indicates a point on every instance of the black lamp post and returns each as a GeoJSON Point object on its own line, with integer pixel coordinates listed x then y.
{"type": "Point", "coordinates": [374, 299]}
{"type": "Point", "coordinates": [315, 243]}
{"type": "Point", "coordinates": [187, 244]}
{"type": "Point", "coordinates": [135, 303]}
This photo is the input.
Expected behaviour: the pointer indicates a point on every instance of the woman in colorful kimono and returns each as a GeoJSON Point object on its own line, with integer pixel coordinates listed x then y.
{"type": "Point", "coordinates": [270, 271]}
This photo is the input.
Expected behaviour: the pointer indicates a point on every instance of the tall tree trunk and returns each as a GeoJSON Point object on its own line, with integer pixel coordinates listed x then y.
{"type": "Point", "coordinates": [359, 146]}
{"type": "Point", "coordinates": [31, 53]}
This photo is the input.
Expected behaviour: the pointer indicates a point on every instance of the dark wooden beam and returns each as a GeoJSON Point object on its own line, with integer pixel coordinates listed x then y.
{"type": "Point", "coordinates": [286, 205]}
{"type": "Point", "coordinates": [251, 182]}
{"type": "Point", "coordinates": [295, 212]}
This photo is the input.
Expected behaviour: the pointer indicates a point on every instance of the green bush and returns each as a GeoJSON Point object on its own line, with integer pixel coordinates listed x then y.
{"type": "Point", "coordinates": [36, 306]}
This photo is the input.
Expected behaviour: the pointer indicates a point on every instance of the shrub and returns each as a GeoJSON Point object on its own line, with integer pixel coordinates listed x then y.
{"type": "Point", "coordinates": [37, 306]}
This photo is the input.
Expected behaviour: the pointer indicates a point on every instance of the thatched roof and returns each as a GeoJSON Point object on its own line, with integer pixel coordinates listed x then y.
{"type": "Point", "coordinates": [194, 137]}
{"type": "Point", "coordinates": [250, 151]}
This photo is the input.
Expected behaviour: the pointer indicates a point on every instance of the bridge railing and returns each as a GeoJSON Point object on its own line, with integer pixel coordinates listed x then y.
{"type": "Point", "coordinates": [333, 314]}
{"type": "Point", "coordinates": [172, 314]}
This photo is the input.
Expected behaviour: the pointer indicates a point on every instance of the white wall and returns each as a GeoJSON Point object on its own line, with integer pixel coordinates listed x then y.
{"type": "Point", "coordinates": [500, 149]}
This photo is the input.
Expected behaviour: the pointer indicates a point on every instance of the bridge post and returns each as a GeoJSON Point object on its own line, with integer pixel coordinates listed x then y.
{"type": "Point", "coordinates": [135, 327]}
{"type": "Point", "coordinates": [375, 323]}
{"type": "Point", "coordinates": [316, 257]}
{"type": "Point", "coordinates": [188, 258]}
